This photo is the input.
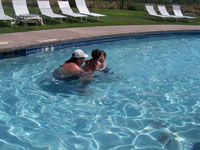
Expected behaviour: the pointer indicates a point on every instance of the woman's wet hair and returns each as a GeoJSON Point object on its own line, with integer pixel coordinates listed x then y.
{"type": "Point", "coordinates": [96, 54]}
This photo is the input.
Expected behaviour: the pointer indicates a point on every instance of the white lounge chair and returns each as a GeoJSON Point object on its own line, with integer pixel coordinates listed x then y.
{"type": "Point", "coordinates": [23, 15]}
{"type": "Point", "coordinates": [45, 9]}
{"type": "Point", "coordinates": [162, 9]}
{"type": "Point", "coordinates": [82, 8]}
{"type": "Point", "coordinates": [151, 11]}
{"type": "Point", "coordinates": [3, 16]}
{"type": "Point", "coordinates": [178, 12]}
{"type": "Point", "coordinates": [66, 10]}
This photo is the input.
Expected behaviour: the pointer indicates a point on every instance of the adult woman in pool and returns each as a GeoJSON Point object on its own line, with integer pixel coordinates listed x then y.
{"type": "Point", "coordinates": [72, 67]}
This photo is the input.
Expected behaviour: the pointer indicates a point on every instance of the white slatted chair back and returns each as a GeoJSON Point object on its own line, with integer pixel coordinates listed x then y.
{"type": "Point", "coordinates": [20, 7]}
{"type": "Point", "coordinates": [45, 7]}
{"type": "Point", "coordinates": [82, 7]}
{"type": "Point", "coordinates": [65, 7]}
{"type": "Point", "coordinates": [150, 9]}
{"type": "Point", "coordinates": [177, 10]}
{"type": "Point", "coordinates": [1, 9]}
{"type": "Point", "coordinates": [3, 16]}
{"type": "Point", "coordinates": [163, 10]}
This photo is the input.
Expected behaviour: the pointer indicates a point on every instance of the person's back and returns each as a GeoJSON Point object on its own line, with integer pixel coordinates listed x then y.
{"type": "Point", "coordinates": [73, 67]}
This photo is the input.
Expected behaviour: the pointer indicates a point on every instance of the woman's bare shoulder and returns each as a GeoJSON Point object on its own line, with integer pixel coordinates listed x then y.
{"type": "Point", "coordinates": [72, 67]}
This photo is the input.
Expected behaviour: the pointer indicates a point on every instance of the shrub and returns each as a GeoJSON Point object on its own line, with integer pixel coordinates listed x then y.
{"type": "Point", "coordinates": [136, 6]}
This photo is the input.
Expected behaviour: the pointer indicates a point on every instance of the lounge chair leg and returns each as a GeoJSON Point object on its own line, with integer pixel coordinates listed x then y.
{"type": "Point", "coordinates": [45, 21]}
{"type": "Point", "coordinates": [12, 22]}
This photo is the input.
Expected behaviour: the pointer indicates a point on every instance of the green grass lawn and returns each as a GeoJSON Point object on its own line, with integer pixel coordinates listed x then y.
{"type": "Point", "coordinates": [114, 17]}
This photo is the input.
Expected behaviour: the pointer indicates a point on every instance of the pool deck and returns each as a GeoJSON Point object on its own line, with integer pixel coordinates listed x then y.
{"type": "Point", "coordinates": [21, 40]}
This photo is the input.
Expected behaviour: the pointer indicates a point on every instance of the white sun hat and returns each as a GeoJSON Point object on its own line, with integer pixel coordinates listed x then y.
{"type": "Point", "coordinates": [79, 53]}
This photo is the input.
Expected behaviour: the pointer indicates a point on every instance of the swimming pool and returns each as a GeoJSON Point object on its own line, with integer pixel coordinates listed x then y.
{"type": "Point", "coordinates": [149, 101]}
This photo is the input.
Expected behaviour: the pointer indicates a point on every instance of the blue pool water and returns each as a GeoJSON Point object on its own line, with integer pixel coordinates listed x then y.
{"type": "Point", "coordinates": [150, 101]}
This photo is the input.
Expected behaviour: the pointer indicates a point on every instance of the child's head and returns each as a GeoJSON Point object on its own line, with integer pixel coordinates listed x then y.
{"type": "Point", "coordinates": [103, 56]}
{"type": "Point", "coordinates": [96, 54]}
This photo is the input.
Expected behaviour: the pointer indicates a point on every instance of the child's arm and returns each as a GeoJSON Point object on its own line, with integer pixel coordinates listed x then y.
{"type": "Point", "coordinates": [97, 65]}
{"type": "Point", "coordinates": [102, 66]}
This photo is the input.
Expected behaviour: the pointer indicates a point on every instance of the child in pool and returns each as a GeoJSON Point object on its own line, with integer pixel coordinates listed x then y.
{"type": "Point", "coordinates": [91, 65]}
{"type": "Point", "coordinates": [102, 64]}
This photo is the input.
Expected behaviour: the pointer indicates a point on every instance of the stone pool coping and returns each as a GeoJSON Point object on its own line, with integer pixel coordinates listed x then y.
{"type": "Point", "coordinates": [22, 40]}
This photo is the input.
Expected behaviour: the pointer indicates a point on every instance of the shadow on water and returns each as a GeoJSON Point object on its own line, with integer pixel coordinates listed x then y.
{"type": "Point", "coordinates": [66, 87]}
{"type": "Point", "coordinates": [196, 146]}
{"type": "Point", "coordinates": [79, 86]}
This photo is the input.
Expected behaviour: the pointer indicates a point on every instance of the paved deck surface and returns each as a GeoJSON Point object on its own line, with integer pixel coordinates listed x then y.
{"type": "Point", "coordinates": [15, 41]}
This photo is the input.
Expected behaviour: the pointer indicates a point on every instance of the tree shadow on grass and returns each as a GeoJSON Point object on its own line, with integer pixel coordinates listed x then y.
{"type": "Point", "coordinates": [168, 20]}
{"type": "Point", "coordinates": [5, 24]}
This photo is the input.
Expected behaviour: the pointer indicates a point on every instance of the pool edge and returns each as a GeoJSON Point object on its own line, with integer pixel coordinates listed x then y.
{"type": "Point", "coordinates": [78, 34]}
